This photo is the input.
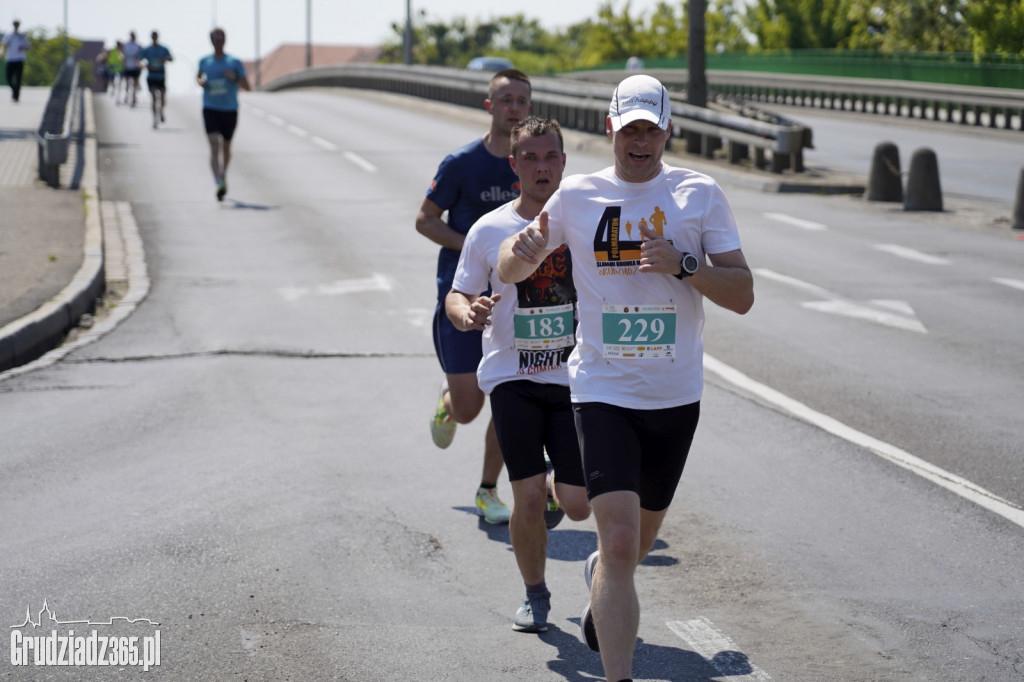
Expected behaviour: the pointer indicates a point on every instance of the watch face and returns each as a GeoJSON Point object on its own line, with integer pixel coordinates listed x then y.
{"type": "Point", "coordinates": [689, 263]}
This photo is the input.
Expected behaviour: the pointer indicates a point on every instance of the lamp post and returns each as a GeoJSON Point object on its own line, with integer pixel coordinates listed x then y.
{"type": "Point", "coordinates": [256, 64]}
{"type": "Point", "coordinates": [696, 81]}
{"type": "Point", "coordinates": [309, 33]}
{"type": "Point", "coordinates": [407, 43]}
{"type": "Point", "coordinates": [65, 30]}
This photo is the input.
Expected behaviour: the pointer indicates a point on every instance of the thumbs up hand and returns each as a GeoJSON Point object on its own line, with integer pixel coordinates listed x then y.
{"type": "Point", "coordinates": [532, 242]}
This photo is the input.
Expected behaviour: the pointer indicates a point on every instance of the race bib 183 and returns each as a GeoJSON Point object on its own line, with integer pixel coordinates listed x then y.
{"type": "Point", "coordinates": [544, 328]}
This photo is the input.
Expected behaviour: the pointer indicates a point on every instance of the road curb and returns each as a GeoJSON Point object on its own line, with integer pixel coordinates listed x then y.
{"type": "Point", "coordinates": [42, 330]}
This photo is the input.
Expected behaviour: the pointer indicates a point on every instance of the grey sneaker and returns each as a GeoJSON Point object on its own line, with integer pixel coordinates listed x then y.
{"type": "Point", "coordinates": [590, 567]}
{"type": "Point", "coordinates": [587, 629]}
{"type": "Point", "coordinates": [532, 616]}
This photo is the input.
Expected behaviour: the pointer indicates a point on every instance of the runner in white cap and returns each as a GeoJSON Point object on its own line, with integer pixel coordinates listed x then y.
{"type": "Point", "coordinates": [649, 242]}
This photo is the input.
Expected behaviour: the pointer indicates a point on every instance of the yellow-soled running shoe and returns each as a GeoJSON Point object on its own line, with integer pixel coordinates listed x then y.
{"type": "Point", "coordinates": [442, 426]}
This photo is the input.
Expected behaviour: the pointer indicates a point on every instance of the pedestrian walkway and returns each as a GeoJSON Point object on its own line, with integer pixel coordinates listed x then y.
{"type": "Point", "coordinates": [51, 253]}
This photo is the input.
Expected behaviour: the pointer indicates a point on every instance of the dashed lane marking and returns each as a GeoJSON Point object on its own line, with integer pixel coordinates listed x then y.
{"type": "Point", "coordinates": [324, 144]}
{"type": "Point", "coordinates": [376, 282]}
{"type": "Point", "coordinates": [718, 650]}
{"type": "Point", "coordinates": [796, 222]}
{"type": "Point", "coordinates": [896, 314]}
{"type": "Point", "coordinates": [1012, 283]}
{"type": "Point", "coordinates": [360, 161]}
{"type": "Point", "coordinates": [912, 254]}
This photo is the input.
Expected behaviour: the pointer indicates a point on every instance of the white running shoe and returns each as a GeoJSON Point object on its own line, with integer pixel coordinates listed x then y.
{"type": "Point", "coordinates": [490, 507]}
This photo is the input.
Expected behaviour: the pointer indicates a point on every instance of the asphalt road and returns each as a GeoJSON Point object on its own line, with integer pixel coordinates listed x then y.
{"type": "Point", "coordinates": [245, 461]}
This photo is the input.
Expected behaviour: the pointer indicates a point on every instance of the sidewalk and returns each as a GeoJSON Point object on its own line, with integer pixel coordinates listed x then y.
{"type": "Point", "coordinates": [51, 247]}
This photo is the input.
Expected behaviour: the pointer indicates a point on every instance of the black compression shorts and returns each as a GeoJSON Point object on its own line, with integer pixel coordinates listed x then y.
{"type": "Point", "coordinates": [643, 451]}
{"type": "Point", "coordinates": [218, 121]}
{"type": "Point", "coordinates": [530, 417]}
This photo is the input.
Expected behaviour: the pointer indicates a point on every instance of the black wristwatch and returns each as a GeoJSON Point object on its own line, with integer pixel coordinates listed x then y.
{"type": "Point", "coordinates": [688, 265]}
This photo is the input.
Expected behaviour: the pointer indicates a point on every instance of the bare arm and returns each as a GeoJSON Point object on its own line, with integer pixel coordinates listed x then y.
{"type": "Point", "coordinates": [521, 253]}
{"type": "Point", "coordinates": [431, 226]}
{"type": "Point", "coordinates": [726, 282]}
{"type": "Point", "coordinates": [468, 311]}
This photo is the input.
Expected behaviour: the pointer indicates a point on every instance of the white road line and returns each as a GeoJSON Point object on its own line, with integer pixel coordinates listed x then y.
{"type": "Point", "coordinates": [717, 649]}
{"type": "Point", "coordinates": [912, 254]}
{"type": "Point", "coordinates": [255, 110]}
{"type": "Point", "coordinates": [796, 222]}
{"type": "Point", "coordinates": [376, 282]}
{"type": "Point", "coordinates": [896, 314]}
{"type": "Point", "coordinates": [325, 144]}
{"type": "Point", "coordinates": [360, 161]}
{"type": "Point", "coordinates": [296, 130]}
{"type": "Point", "coordinates": [938, 476]}
{"type": "Point", "coordinates": [1013, 283]}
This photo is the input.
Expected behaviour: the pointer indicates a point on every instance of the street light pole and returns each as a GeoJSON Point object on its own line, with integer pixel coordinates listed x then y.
{"type": "Point", "coordinates": [309, 33]}
{"type": "Point", "coordinates": [258, 54]}
{"type": "Point", "coordinates": [65, 30]}
{"type": "Point", "coordinates": [407, 43]}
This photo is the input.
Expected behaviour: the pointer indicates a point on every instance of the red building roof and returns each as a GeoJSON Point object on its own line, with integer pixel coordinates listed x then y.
{"type": "Point", "coordinates": [288, 58]}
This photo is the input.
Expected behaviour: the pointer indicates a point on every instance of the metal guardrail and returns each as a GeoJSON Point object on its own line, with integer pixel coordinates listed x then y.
{"type": "Point", "coordinates": [54, 134]}
{"type": "Point", "coordinates": [578, 105]}
{"type": "Point", "coordinates": [959, 104]}
{"type": "Point", "coordinates": [954, 104]}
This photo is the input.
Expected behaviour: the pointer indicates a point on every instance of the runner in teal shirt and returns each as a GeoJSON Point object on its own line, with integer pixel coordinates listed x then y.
{"type": "Point", "coordinates": [156, 57]}
{"type": "Point", "coordinates": [220, 76]}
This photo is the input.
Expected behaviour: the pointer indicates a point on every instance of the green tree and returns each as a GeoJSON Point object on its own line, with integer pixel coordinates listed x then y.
{"type": "Point", "coordinates": [612, 37]}
{"type": "Point", "coordinates": [997, 26]}
{"type": "Point", "coordinates": [798, 24]}
{"type": "Point", "coordinates": [926, 25]}
{"type": "Point", "coordinates": [725, 33]}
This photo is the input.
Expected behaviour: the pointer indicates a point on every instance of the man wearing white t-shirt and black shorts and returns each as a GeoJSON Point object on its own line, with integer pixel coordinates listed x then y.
{"type": "Point", "coordinates": [132, 52]}
{"type": "Point", "coordinates": [528, 333]}
{"type": "Point", "coordinates": [648, 243]}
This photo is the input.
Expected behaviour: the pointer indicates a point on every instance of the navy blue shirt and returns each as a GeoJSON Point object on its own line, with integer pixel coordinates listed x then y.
{"type": "Point", "coordinates": [469, 183]}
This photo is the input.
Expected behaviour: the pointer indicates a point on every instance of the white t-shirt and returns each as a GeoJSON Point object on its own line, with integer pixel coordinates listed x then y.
{"type": "Point", "coordinates": [640, 336]}
{"type": "Point", "coordinates": [132, 53]}
{"type": "Point", "coordinates": [16, 46]}
{"type": "Point", "coordinates": [532, 326]}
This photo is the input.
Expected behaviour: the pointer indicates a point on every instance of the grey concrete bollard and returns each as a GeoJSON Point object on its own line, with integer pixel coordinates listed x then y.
{"type": "Point", "coordinates": [1018, 204]}
{"type": "Point", "coordinates": [924, 193]}
{"type": "Point", "coordinates": [885, 182]}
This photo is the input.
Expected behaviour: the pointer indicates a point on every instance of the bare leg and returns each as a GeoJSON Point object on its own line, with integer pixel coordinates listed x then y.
{"type": "Point", "coordinates": [625, 536]}
{"type": "Point", "coordinates": [527, 529]}
{"type": "Point", "coordinates": [216, 143]}
{"type": "Point", "coordinates": [464, 401]}
{"type": "Point", "coordinates": [493, 461]}
{"type": "Point", "coordinates": [226, 152]}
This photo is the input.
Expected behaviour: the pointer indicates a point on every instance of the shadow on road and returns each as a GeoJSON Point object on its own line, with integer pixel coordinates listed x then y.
{"type": "Point", "coordinates": [577, 663]}
{"type": "Point", "coordinates": [252, 207]}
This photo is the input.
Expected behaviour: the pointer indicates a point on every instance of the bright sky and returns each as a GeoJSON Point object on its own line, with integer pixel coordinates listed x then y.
{"type": "Point", "coordinates": [184, 25]}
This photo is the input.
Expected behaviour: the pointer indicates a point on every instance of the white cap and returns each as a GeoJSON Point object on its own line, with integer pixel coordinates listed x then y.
{"type": "Point", "coordinates": [640, 98]}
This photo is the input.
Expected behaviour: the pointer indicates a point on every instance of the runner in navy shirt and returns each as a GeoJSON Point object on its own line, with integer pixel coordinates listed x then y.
{"type": "Point", "coordinates": [470, 182]}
